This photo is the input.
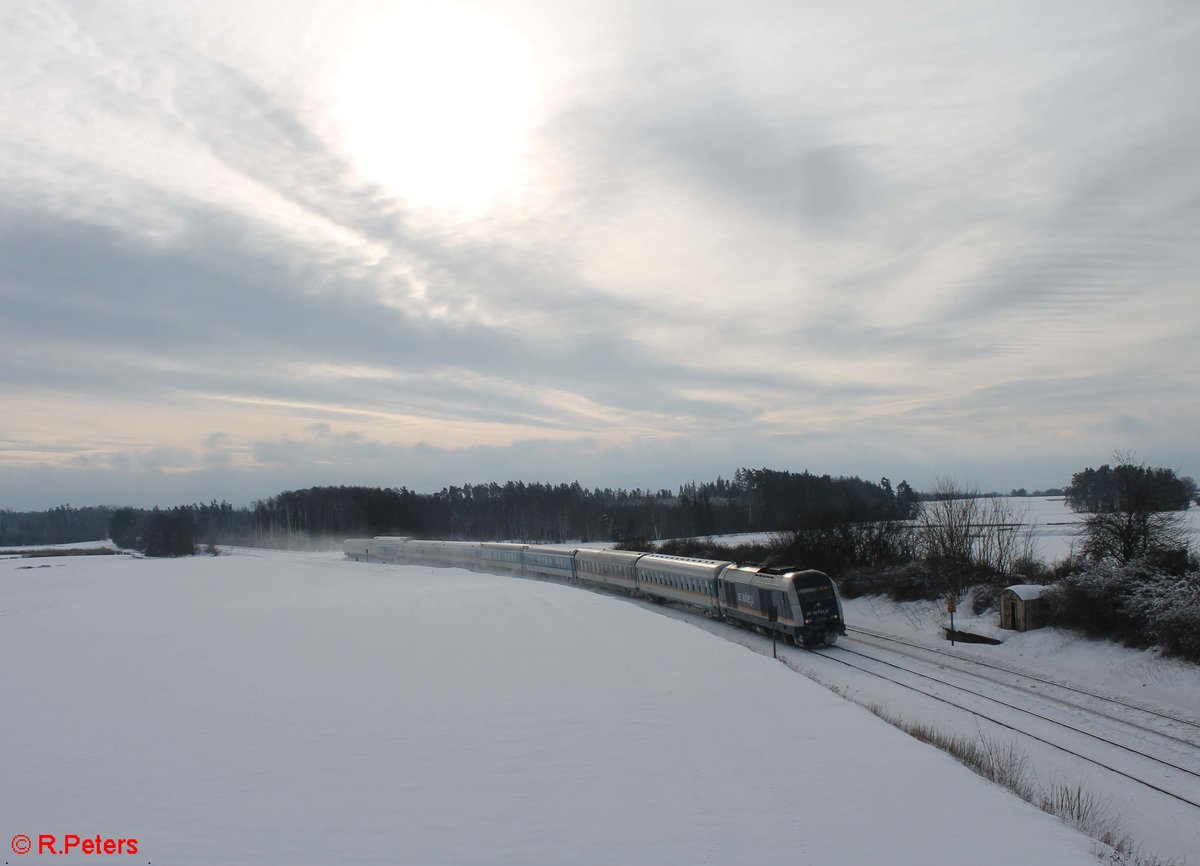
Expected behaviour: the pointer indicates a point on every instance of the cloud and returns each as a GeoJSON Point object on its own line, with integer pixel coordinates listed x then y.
{"type": "Point", "coordinates": [169, 322]}
{"type": "Point", "coordinates": [772, 234]}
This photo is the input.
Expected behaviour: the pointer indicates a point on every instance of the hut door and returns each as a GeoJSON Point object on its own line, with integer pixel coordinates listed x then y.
{"type": "Point", "coordinates": [1012, 616]}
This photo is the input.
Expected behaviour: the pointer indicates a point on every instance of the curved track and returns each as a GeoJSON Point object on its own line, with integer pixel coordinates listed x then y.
{"type": "Point", "coordinates": [1189, 728]}
{"type": "Point", "coordinates": [1162, 762]}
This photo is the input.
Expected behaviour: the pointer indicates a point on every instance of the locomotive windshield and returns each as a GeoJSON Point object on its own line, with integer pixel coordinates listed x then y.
{"type": "Point", "coordinates": [815, 592]}
{"type": "Point", "coordinates": [810, 582]}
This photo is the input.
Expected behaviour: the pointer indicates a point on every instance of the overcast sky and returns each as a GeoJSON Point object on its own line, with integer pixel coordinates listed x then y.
{"type": "Point", "coordinates": [259, 245]}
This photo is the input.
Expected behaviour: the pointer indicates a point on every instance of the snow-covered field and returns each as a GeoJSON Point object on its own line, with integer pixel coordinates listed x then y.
{"type": "Point", "coordinates": [298, 708]}
{"type": "Point", "coordinates": [1056, 527]}
{"type": "Point", "coordinates": [17, 550]}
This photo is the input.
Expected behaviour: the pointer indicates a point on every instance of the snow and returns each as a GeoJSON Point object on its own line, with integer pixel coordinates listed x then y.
{"type": "Point", "coordinates": [17, 550]}
{"type": "Point", "coordinates": [1027, 591]}
{"type": "Point", "coordinates": [1139, 675]}
{"type": "Point", "coordinates": [1056, 527]}
{"type": "Point", "coordinates": [1167, 829]}
{"type": "Point", "coordinates": [270, 707]}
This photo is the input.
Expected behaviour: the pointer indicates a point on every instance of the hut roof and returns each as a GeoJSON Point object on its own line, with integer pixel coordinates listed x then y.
{"type": "Point", "coordinates": [1027, 591]}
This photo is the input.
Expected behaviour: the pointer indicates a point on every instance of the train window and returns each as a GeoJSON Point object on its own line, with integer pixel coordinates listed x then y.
{"type": "Point", "coordinates": [812, 580]}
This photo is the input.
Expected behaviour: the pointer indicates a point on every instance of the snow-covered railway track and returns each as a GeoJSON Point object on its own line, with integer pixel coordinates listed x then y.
{"type": "Point", "coordinates": [1162, 774]}
{"type": "Point", "coordinates": [1136, 715]}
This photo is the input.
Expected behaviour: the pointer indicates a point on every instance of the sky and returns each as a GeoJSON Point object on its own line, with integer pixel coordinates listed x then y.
{"type": "Point", "coordinates": [255, 246]}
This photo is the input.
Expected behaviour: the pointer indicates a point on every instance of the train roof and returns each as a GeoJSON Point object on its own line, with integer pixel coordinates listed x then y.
{"type": "Point", "coordinates": [692, 559]}
{"type": "Point", "coordinates": [776, 570]}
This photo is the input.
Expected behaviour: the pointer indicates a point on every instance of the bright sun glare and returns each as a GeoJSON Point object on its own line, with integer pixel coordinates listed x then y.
{"type": "Point", "coordinates": [436, 101]}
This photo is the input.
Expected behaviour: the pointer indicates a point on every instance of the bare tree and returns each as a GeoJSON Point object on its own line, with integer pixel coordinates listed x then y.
{"type": "Point", "coordinates": [962, 533]}
{"type": "Point", "coordinates": [947, 523]}
{"type": "Point", "coordinates": [1006, 536]}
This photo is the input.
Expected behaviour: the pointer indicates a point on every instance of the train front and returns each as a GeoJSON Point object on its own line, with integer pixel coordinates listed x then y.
{"type": "Point", "coordinates": [820, 618]}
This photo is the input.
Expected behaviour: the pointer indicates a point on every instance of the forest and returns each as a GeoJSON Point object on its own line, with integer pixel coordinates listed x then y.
{"type": "Point", "coordinates": [753, 500]}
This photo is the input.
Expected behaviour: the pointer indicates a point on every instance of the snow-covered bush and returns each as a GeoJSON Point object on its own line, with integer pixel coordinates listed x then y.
{"type": "Point", "coordinates": [1170, 606]}
{"type": "Point", "coordinates": [1136, 603]}
{"type": "Point", "coordinates": [985, 595]}
{"type": "Point", "coordinates": [912, 582]}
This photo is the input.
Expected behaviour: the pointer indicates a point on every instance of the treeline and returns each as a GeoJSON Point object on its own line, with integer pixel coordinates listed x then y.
{"type": "Point", "coordinates": [1130, 487]}
{"type": "Point", "coordinates": [59, 525]}
{"type": "Point", "coordinates": [754, 500]}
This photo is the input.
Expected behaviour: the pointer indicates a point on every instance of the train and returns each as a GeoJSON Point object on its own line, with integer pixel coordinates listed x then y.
{"type": "Point", "coordinates": [798, 604]}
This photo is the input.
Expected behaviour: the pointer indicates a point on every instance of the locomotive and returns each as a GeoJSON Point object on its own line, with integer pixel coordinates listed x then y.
{"type": "Point", "coordinates": [799, 604]}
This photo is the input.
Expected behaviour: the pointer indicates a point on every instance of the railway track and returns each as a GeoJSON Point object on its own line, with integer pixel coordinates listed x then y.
{"type": "Point", "coordinates": [1167, 724]}
{"type": "Point", "coordinates": [1163, 763]}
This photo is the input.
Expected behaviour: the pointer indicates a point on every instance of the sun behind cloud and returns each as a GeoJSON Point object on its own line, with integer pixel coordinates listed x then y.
{"type": "Point", "coordinates": [435, 101]}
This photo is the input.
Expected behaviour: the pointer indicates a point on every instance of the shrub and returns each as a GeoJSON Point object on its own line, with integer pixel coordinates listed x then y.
{"type": "Point", "coordinates": [912, 582]}
{"type": "Point", "coordinates": [987, 594]}
{"type": "Point", "coordinates": [1137, 604]}
{"type": "Point", "coordinates": [1170, 607]}
{"type": "Point", "coordinates": [1032, 569]}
